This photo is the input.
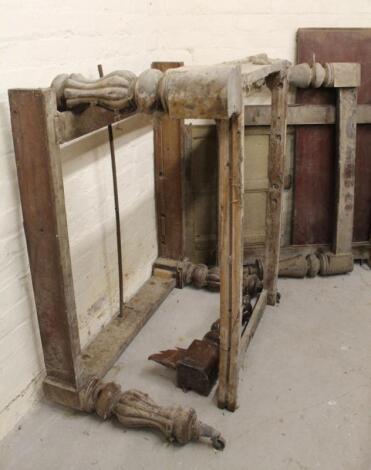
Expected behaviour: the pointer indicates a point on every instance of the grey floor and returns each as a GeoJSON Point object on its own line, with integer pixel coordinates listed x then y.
{"type": "Point", "coordinates": [305, 391]}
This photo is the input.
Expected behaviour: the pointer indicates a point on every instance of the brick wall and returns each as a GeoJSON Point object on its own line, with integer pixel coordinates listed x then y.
{"type": "Point", "coordinates": [41, 39]}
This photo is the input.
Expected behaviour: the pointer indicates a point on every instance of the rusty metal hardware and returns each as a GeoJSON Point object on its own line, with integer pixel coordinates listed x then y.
{"type": "Point", "coordinates": [117, 210]}
{"type": "Point", "coordinates": [197, 366]}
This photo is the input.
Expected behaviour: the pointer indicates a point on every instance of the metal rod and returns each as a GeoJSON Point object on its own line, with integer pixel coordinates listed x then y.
{"type": "Point", "coordinates": [117, 210]}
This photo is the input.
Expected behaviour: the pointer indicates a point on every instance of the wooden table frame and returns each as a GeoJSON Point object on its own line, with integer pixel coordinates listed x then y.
{"type": "Point", "coordinates": [230, 246]}
{"type": "Point", "coordinates": [346, 114]}
{"type": "Point", "coordinates": [233, 343]}
{"type": "Point", "coordinates": [39, 129]}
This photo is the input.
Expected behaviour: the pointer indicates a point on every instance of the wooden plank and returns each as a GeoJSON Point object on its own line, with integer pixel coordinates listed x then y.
{"type": "Point", "coordinates": [201, 193]}
{"type": "Point", "coordinates": [345, 179]}
{"type": "Point", "coordinates": [300, 115]}
{"type": "Point", "coordinates": [303, 114]}
{"type": "Point", "coordinates": [189, 213]}
{"type": "Point", "coordinates": [236, 263]}
{"type": "Point", "coordinates": [42, 196]}
{"type": "Point", "coordinates": [72, 125]}
{"type": "Point", "coordinates": [100, 355]}
{"type": "Point", "coordinates": [224, 246]}
{"type": "Point", "coordinates": [260, 115]}
{"type": "Point", "coordinates": [168, 144]}
{"type": "Point", "coordinates": [276, 163]}
{"type": "Point", "coordinates": [252, 326]}
{"type": "Point", "coordinates": [315, 162]}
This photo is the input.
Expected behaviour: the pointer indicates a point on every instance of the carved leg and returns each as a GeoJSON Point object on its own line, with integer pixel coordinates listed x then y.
{"type": "Point", "coordinates": [324, 264]}
{"type": "Point", "coordinates": [201, 276]}
{"type": "Point", "coordinates": [276, 163]}
{"type": "Point", "coordinates": [135, 409]}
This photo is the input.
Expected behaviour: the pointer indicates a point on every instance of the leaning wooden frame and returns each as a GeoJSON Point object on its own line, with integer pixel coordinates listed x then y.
{"type": "Point", "coordinates": [295, 260]}
{"type": "Point", "coordinates": [337, 258]}
{"type": "Point", "coordinates": [42, 120]}
{"type": "Point", "coordinates": [171, 211]}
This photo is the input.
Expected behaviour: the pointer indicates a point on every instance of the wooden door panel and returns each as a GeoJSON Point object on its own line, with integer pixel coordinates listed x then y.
{"type": "Point", "coordinates": [201, 194]}
{"type": "Point", "coordinates": [315, 145]}
{"type": "Point", "coordinates": [254, 221]}
{"type": "Point", "coordinates": [201, 190]}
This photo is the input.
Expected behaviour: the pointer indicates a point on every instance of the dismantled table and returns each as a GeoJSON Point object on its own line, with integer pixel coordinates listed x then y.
{"type": "Point", "coordinates": [43, 119]}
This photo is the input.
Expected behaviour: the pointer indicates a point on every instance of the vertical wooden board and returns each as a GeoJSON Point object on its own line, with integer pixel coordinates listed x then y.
{"type": "Point", "coordinates": [330, 45]}
{"type": "Point", "coordinates": [255, 204]}
{"type": "Point", "coordinates": [201, 193]}
{"type": "Point", "coordinates": [168, 144]}
{"type": "Point", "coordinates": [346, 150]}
{"type": "Point", "coordinates": [256, 165]}
{"type": "Point", "coordinates": [41, 189]}
{"type": "Point", "coordinates": [237, 212]}
{"type": "Point", "coordinates": [287, 210]}
{"type": "Point", "coordinates": [224, 249]}
{"type": "Point", "coordinates": [256, 185]}
{"type": "Point", "coordinates": [203, 173]}
{"type": "Point", "coordinates": [276, 172]}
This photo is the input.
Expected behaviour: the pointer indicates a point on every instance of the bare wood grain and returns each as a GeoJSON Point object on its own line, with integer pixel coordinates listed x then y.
{"type": "Point", "coordinates": [250, 330]}
{"type": "Point", "coordinates": [44, 214]}
{"type": "Point", "coordinates": [260, 115]}
{"type": "Point", "coordinates": [276, 160]}
{"type": "Point", "coordinates": [345, 176]}
{"type": "Point", "coordinates": [168, 155]}
{"type": "Point", "coordinates": [223, 254]}
{"type": "Point", "coordinates": [237, 191]}
{"type": "Point", "coordinates": [100, 355]}
{"type": "Point", "coordinates": [72, 125]}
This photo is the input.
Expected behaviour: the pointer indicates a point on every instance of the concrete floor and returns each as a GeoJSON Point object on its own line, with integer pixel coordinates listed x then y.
{"type": "Point", "coordinates": [305, 391]}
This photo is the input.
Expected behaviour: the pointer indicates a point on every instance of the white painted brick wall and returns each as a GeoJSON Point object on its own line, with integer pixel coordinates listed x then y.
{"type": "Point", "coordinates": [41, 39]}
{"type": "Point", "coordinates": [38, 40]}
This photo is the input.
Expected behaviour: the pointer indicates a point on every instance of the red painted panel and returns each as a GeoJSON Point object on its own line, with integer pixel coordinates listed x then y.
{"type": "Point", "coordinates": [315, 145]}
{"type": "Point", "coordinates": [314, 183]}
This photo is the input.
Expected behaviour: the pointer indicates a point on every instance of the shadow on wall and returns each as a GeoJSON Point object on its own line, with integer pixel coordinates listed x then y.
{"type": "Point", "coordinates": [90, 214]}
{"type": "Point", "coordinates": [91, 218]}
{"type": "Point", "coordinates": [21, 360]}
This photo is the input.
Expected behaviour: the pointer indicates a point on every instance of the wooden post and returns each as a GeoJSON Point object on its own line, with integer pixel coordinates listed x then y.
{"type": "Point", "coordinates": [345, 179]}
{"type": "Point", "coordinates": [41, 189]}
{"type": "Point", "coordinates": [231, 139]}
{"type": "Point", "coordinates": [237, 193]}
{"type": "Point", "coordinates": [276, 161]}
{"type": "Point", "coordinates": [224, 244]}
{"type": "Point", "coordinates": [168, 144]}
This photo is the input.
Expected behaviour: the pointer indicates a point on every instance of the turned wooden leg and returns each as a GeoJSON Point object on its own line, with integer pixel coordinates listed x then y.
{"type": "Point", "coordinates": [135, 409]}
